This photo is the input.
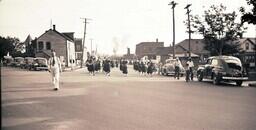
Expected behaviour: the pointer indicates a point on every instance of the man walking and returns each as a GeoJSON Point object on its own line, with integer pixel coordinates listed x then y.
{"type": "Point", "coordinates": [55, 69]}
{"type": "Point", "coordinates": [190, 64]}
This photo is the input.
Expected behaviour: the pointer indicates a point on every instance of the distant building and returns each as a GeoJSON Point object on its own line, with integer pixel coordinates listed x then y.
{"type": "Point", "coordinates": [129, 56]}
{"type": "Point", "coordinates": [147, 49]}
{"type": "Point", "coordinates": [62, 43]}
{"type": "Point", "coordinates": [197, 47]}
{"type": "Point", "coordinates": [164, 53]}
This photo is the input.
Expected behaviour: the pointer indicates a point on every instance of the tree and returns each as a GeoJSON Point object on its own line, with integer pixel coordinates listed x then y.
{"type": "Point", "coordinates": [7, 45]}
{"type": "Point", "coordinates": [249, 17]}
{"type": "Point", "coordinates": [219, 29]}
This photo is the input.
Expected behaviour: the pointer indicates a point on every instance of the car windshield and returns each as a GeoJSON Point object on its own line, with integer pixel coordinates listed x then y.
{"type": "Point", "coordinates": [41, 61]}
{"type": "Point", "coordinates": [19, 60]}
{"type": "Point", "coordinates": [171, 61]}
{"type": "Point", "coordinates": [234, 64]}
{"type": "Point", "coordinates": [30, 60]}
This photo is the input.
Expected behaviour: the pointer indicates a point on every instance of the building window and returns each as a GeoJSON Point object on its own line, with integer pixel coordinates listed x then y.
{"type": "Point", "coordinates": [78, 47]}
{"type": "Point", "coordinates": [40, 45]}
{"type": "Point", "coordinates": [246, 46]}
{"type": "Point", "coordinates": [48, 46]}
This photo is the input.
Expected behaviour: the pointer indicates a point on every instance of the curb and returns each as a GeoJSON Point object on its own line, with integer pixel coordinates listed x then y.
{"type": "Point", "coordinates": [252, 84]}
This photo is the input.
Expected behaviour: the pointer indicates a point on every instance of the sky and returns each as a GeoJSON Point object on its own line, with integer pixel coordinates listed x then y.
{"type": "Point", "coordinates": [112, 23]}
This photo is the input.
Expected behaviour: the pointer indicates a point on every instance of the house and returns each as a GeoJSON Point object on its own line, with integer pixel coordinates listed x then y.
{"type": "Point", "coordinates": [248, 52]}
{"type": "Point", "coordinates": [79, 51]}
{"type": "Point", "coordinates": [196, 47]}
{"type": "Point", "coordinates": [147, 49]}
{"type": "Point", "coordinates": [62, 43]}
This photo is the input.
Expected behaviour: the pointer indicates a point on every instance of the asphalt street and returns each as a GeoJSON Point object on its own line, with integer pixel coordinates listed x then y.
{"type": "Point", "coordinates": [117, 102]}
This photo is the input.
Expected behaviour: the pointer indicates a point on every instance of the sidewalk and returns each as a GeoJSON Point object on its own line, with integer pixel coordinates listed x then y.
{"type": "Point", "coordinates": [250, 83]}
{"type": "Point", "coordinates": [75, 68]}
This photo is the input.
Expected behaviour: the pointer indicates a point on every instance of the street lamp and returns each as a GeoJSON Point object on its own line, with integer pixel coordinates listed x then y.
{"type": "Point", "coordinates": [189, 30]}
{"type": "Point", "coordinates": [173, 4]}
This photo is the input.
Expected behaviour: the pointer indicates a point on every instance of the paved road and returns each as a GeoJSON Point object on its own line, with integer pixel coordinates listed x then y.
{"type": "Point", "coordinates": [122, 103]}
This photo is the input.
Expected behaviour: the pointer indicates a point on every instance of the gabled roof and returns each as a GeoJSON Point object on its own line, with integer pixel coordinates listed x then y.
{"type": "Point", "coordinates": [196, 45]}
{"type": "Point", "coordinates": [169, 50]}
{"type": "Point", "coordinates": [28, 40]}
{"type": "Point", "coordinates": [251, 40]}
{"type": "Point", "coordinates": [61, 34]}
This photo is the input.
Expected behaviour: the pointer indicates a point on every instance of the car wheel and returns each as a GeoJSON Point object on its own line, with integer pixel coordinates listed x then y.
{"type": "Point", "coordinates": [216, 79]}
{"type": "Point", "coordinates": [239, 83]}
{"type": "Point", "coordinates": [200, 77]}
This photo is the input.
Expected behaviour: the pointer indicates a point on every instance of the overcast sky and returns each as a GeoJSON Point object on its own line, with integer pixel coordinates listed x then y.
{"type": "Point", "coordinates": [115, 23]}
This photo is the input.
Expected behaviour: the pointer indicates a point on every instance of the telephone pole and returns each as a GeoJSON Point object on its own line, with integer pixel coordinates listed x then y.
{"type": "Point", "coordinates": [173, 18]}
{"type": "Point", "coordinates": [83, 44]}
{"type": "Point", "coordinates": [189, 30]}
{"type": "Point", "coordinates": [91, 45]}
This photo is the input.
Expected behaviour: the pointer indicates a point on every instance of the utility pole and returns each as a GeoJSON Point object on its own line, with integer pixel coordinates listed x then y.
{"type": "Point", "coordinates": [83, 44]}
{"type": "Point", "coordinates": [189, 30]}
{"type": "Point", "coordinates": [173, 43]}
{"type": "Point", "coordinates": [91, 45]}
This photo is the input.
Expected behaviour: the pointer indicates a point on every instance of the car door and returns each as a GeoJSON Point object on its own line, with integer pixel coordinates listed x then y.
{"type": "Point", "coordinates": [208, 68]}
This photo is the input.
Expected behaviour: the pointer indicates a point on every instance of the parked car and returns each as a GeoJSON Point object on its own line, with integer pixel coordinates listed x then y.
{"type": "Point", "coordinates": [18, 62]}
{"type": "Point", "coordinates": [222, 68]}
{"type": "Point", "coordinates": [169, 67]}
{"type": "Point", "coordinates": [40, 64]}
{"type": "Point", "coordinates": [8, 61]}
{"type": "Point", "coordinates": [29, 63]}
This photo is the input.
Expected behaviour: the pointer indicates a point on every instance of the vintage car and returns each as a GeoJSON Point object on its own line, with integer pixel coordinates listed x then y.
{"type": "Point", "coordinates": [222, 68]}
{"type": "Point", "coordinates": [8, 60]}
{"type": "Point", "coordinates": [29, 63]}
{"type": "Point", "coordinates": [18, 62]}
{"type": "Point", "coordinates": [40, 64]}
{"type": "Point", "coordinates": [169, 67]}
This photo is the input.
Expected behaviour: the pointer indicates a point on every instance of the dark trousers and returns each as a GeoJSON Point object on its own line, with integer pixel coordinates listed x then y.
{"type": "Point", "coordinates": [191, 73]}
{"type": "Point", "coordinates": [177, 72]}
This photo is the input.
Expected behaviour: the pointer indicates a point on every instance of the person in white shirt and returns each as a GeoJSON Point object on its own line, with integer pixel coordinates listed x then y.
{"type": "Point", "coordinates": [190, 64]}
{"type": "Point", "coordinates": [55, 69]}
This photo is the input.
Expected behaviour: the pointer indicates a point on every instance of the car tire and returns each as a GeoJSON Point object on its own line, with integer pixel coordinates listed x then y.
{"type": "Point", "coordinates": [239, 83]}
{"type": "Point", "coordinates": [200, 77]}
{"type": "Point", "coordinates": [216, 79]}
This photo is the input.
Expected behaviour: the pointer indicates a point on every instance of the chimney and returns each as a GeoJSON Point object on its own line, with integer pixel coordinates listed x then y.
{"type": "Point", "coordinates": [128, 51]}
{"type": "Point", "coordinates": [157, 40]}
{"type": "Point", "coordinates": [53, 26]}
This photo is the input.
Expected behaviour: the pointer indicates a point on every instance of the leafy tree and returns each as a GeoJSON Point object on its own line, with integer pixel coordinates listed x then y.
{"type": "Point", "coordinates": [249, 17]}
{"type": "Point", "coordinates": [7, 45]}
{"type": "Point", "coordinates": [219, 29]}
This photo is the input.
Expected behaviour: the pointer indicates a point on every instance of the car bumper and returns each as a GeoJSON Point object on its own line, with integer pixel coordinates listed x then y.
{"type": "Point", "coordinates": [235, 78]}
{"type": "Point", "coordinates": [42, 68]}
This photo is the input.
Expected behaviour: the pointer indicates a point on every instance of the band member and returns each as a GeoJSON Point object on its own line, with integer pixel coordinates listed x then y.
{"type": "Point", "coordinates": [150, 68]}
{"type": "Point", "coordinates": [190, 67]}
{"type": "Point", "coordinates": [106, 67]}
{"type": "Point", "coordinates": [125, 69]}
{"type": "Point", "coordinates": [54, 68]}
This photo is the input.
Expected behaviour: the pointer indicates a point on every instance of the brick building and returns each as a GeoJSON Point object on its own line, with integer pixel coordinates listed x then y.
{"type": "Point", "coordinates": [147, 49]}
{"type": "Point", "coordinates": [62, 43]}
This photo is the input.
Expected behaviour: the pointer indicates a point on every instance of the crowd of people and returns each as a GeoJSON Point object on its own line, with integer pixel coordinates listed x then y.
{"type": "Point", "coordinates": [96, 65]}
{"type": "Point", "coordinates": [105, 65]}
{"type": "Point", "coordinates": [144, 67]}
